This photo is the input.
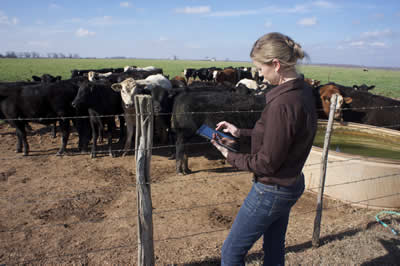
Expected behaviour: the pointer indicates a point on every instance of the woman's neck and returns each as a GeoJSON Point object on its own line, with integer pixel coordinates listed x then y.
{"type": "Point", "coordinates": [287, 76]}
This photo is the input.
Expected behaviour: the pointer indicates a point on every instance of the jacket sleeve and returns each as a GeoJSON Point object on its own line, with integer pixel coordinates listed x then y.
{"type": "Point", "coordinates": [245, 132]}
{"type": "Point", "coordinates": [278, 134]}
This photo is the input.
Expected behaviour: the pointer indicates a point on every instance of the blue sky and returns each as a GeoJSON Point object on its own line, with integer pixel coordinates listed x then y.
{"type": "Point", "coordinates": [365, 32]}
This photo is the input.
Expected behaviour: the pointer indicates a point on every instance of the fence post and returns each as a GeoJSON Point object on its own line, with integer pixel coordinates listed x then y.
{"type": "Point", "coordinates": [143, 150]}
{"type": "Point", "coordinates": [324, 160]}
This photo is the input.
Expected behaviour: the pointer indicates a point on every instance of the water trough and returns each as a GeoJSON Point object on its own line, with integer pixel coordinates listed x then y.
{"type": "Point", "coordinates": [367, 180]}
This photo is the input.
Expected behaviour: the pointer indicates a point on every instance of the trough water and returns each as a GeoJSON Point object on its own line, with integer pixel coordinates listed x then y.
{"type": "Point", "coordinates": [360, 142]}
{"type": "Point", "coordinates": [363, 166]}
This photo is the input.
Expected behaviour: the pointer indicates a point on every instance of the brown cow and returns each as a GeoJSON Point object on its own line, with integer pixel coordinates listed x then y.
{"type": "Point", "coordinates": [326, 92]}
{"type": "Point", "coordinates": [178, 81]}
{"type": "Point", "coordinates": [228, 75]}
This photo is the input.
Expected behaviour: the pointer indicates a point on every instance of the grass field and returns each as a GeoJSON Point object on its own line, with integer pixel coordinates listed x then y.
{"type": "Point", "coordinates": [387, 82]}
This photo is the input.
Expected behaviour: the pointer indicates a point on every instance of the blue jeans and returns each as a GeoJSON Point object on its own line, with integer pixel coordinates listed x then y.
{"type": "Point", "coordinates": [265, 212]}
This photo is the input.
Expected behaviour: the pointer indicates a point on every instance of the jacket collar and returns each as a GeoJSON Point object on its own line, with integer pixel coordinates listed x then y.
{"type": "Point", "coordinates": [290, 85]}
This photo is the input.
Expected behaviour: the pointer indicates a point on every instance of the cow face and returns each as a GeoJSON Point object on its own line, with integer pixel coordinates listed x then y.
{"type": "Point", "coordinates": [326, 93]}
{"type": "Point", "coordinates": [128, 88]}
{"type": "Point", "coordinates": [91, 75]}
{"type": "Point", "coordinates": [83, 95]}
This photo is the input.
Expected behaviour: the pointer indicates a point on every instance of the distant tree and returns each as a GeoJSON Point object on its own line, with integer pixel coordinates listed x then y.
{"type": "Point", "coordinates": [70, 55]}
{"type": "Point", "coordinates": [61, 55]}
{"type": "Point", "coordinates": [1, 56]}
{"type": "Point", "coordinates": [27, 54]}
{"type": "Point", "coordinates": [35, 55]}
{"type": "Point", "coordinates": [76, 56]}
{"type": "Point", "coordinates": [11, 54]}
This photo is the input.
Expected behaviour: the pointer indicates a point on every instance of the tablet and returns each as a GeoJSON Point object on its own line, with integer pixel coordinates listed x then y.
{"type": "Point", "coordinates": [226, 141]}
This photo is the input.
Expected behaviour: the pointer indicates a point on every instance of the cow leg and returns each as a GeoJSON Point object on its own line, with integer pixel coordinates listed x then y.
{"type": "Point", "coordinates": [64, 125]}
{"type": "Point", "coordinates": [21, 138]}
{"type": "Point", "coordinates": [110, 129]}
{"type": "Point", "coordinates": [54, 130]}
{"type": "Point", "coordinates": [96, 125]}
{"type": "Point", "coordinates": [171, 142]}
{"type": "Point", "coordinates": [122, 129]}
{"type": "Point", "coordinates": [129, 136]}
{"type": "Point", "coordinates": [181, 156]}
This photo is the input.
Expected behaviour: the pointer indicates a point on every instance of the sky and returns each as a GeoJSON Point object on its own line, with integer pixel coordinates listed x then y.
{"type": "Point", "coordinates": [364, 32]}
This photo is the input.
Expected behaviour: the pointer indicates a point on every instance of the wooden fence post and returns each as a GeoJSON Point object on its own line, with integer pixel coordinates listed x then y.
{"type": "Point", "coordinates": [143, 151]}
{"type": "Point", "coordinates": [324, 160]}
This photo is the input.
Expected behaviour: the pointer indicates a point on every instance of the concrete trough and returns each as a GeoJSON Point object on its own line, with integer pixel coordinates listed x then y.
{"type": "Point", "coordinates": [354, 179]}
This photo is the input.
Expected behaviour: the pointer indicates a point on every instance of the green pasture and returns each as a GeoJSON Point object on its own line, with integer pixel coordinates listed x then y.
{"type": "Point", "coordinates": [387, 82]}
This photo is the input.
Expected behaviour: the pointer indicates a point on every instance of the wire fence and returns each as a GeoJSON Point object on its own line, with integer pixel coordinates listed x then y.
{"type": "Point", "coordinates": [71, 194]}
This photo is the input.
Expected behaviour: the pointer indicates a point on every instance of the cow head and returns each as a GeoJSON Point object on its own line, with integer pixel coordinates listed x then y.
{"type": "Point", "coordinates": [91, 75]}
{"type": "Point", "coordinates": [83, 95]}
{"type": "Point", "coordinates": [313, 82]}
{"type": "Point", "coordinates": [326, 92]}
{"type": "Point", "coordinates": [128, 88]}
{"type": "Point", "coordinates": [363, 87]}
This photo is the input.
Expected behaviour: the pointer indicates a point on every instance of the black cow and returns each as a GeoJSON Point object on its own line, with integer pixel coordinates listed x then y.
{"type": "Point", "coordinates": [135, 74]}
{"type": "Point", "coordinates": [194, 108]}
{"type": "Point", "coordinates": [41, 103]}
{"type": "Point", "coordinates": [189, 73]}
{"type": "Point", "coordinates": [370, 109]}
{"type": "Point", "coordinates": [79, 73]}
{"type": "Point", "coordinates": [46, 78]}
{"type": "Point", "coordinates": [102, 103]}
{"type": "Point", "coordinates": [363, 87]}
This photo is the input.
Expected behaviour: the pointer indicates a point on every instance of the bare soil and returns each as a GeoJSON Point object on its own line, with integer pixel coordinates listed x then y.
{"type": "Point", "coordinates": [77, 210]}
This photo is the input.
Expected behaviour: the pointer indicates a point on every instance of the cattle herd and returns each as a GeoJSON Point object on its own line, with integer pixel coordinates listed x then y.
{"type": "Point", "coordinates": [100, 101]}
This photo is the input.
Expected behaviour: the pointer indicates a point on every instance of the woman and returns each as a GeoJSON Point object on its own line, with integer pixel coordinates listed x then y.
{"type": "Point", "coordinates": [280, 143]}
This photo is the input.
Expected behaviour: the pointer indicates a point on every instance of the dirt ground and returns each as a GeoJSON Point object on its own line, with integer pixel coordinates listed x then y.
{"type": "Point", "coordinates": [77, 210]}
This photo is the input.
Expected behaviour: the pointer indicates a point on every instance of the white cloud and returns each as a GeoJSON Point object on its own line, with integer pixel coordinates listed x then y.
{"type": "Point", "coordinates": [324, 4]}
{"type": "Point", "coordinates": [73, 20]}
{"type": "Point", "coordinates": [268, 24]}
{"type": "Point", "coordinates": [378, 16]}
{"type": "Point", "coordinates": [5, 20]}
{"type": "Point", "coordinates": [378, 44]}
{"type": "Point", "coordinates": [54, 6]}
{"type": "Point", "coordinates": [125, 4]}
{"type": "Point", "coordinates": [357, 44]}
{"type": "Point", "coordinates": [100, 21]}
{"type": "Point", "coordinates": [308, 21]}
{"type": "Point", "coordinates": [377, 34]}
{"type": "Point", "coordinates": [237, 13]}
{"type": "Point", "coordinates": [81, 32]}
{"type": "Point", "coordinates": [162, 38]}
{"type": "Point", "coordinates": [193, 10]}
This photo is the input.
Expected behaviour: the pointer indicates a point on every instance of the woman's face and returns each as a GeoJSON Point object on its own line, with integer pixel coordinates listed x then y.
{"type": "Point", "coordinates": [268, 71]}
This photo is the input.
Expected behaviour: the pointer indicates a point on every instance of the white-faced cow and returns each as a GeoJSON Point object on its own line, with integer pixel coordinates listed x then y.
{"type": "Point", "coordinates": [128, 89]}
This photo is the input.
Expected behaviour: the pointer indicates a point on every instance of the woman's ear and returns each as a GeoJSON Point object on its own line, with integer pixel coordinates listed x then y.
{"type": "Point", "coordinates": [276, 64]}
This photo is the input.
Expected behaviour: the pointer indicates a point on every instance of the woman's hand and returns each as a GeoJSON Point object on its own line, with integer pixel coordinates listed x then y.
{"type": "Point", "coordinates": [228, 128]}
{"type": "Point", "coordinates": [215, 139]}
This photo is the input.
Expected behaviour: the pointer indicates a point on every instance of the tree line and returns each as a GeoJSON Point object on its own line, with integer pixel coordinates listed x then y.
{"type": "Point", "coordinates": [12, 54]}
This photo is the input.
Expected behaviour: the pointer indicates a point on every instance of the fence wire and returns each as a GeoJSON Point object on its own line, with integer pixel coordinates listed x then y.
{"type": "Point", "coordinates": [37, 198]}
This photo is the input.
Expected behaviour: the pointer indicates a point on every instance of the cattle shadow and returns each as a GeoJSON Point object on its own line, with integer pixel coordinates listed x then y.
{"type": "Point", "coordinates": [391, 258]}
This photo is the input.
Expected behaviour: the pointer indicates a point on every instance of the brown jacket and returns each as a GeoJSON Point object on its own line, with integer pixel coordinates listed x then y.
{"type": "Point", "coordinates": [282, 138]}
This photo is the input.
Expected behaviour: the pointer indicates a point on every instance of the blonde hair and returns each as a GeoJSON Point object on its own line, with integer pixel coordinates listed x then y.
{"type": "Point", "coordinates": [277, 45]}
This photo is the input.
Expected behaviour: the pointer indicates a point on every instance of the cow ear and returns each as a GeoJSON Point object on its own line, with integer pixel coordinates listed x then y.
{"type": "Point", "coordinates": [116, 87]}
{"type": "Point", "coordinates": [371, 87]}
{"type": "Point", "coordinates": [355, 87]}
{"type": "Point", "coordinates": [348, 100]}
